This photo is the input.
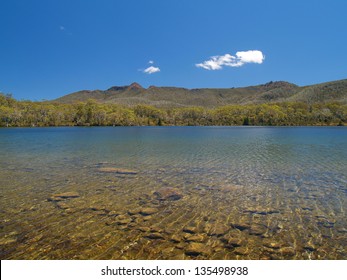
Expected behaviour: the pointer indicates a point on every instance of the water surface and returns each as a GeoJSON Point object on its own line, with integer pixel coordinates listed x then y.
{"type": "Point", "coordinates": [245, 193]}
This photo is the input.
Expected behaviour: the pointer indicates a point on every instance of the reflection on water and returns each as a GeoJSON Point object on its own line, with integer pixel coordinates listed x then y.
{"type": "Point", "coordinates": [173, 193]}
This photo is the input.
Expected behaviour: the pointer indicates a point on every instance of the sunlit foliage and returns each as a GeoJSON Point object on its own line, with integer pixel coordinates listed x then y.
{"type": "Point", "coordinates": [15, 113]}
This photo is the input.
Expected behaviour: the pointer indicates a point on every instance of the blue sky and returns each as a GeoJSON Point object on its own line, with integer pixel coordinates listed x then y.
{"type": "Point", "coordinates": [52, 48]}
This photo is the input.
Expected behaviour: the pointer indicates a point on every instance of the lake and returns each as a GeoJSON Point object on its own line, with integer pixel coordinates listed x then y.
{"type": "Point", "coordinates": [173, 193]}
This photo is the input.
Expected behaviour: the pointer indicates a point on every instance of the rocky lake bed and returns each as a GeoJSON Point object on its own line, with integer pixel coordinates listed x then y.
{"type": "Point", "coordinates": [115, 220]}
{"type": "Point", "coordinates": [203, 204]}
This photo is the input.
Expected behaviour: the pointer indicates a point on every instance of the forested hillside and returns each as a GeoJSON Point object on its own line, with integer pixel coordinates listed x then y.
{"type": "Point", "coordinates": [274, 103]}
{"type": "Point", "coordinates": [15, 113]}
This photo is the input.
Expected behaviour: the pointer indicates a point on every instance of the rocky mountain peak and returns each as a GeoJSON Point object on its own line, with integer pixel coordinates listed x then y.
{"type": "Point", "coordinates": [278, 84]}
{"type": "Point", "coordinates": [132, 86]}
{"type": "Point", "coordinates": [135, 86]}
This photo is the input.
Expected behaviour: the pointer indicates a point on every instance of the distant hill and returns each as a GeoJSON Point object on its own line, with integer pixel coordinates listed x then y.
{"type": "Point", "coordinates": [173, 97]}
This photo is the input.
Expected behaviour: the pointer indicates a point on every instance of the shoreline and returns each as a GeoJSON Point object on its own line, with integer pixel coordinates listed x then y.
{"type": "Point", "coordinates": [225, 126]}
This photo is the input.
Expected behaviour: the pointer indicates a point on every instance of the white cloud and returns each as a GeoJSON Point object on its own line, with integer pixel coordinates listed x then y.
{"type": "Point", "coordinates": [62, 28]}
{"type": "Point", "coordinates": [151, 70]}
{"type": "Point", "coordinates": [251, 57]}
{"type": "Point", "coordinates": [151, 62]}
{"type": "Point", "coordinates": [217, 62]}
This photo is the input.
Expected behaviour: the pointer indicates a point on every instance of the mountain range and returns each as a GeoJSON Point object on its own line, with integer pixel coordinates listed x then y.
{"type": "Point", "coordinates": [174, 97]}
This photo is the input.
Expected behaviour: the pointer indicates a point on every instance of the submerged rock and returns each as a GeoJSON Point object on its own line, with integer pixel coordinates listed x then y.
{"type": "Point", "coordinates": [123, 220]}
{"type": "Point", "coordinates": [195, 249]}
{"type": "Point", "coordinates": [179, 256]}
{"type": "Point", "coordinates": [257, 229]}
{"type": "Point", "coordinates": [287, 251]}
{"type": "Point", "coordinates": [144, 229]}
{"type": "Point", "coordinates": [101, 212]}
{"type": "Point", "coordinates": [134, 211]}
{"type": "Point", "coordinates": [235, 242]}
{"type": "Point", "coordinates": [167, 193]}
{"type": "Point", "coordinates": [196, 238]}
{"type": "Point", "coordinates": [190, 229]}
{"type": "Point", "coordinates": [175, 238]}
{"type": "Point", "coordinates": [156, 229]}
{"type": "Point", "coordinates": [113, 213]}
{"type": "Point", "coordinates": [154, 235]}
{"type": "Point", "coordinates": [62, 205]}
{"type": "Point", "coordinates": [62, 196]}
{"type": "Point", "coordinates": [180, 246]}
{"type": "Point", "coordinates": [324, 222]}
{"type": "Point", "coordinates": [241, 226]}
{"type": "Point", "coordinates": [122, 217]}
{"type": "Point", "coordinates": [261, 211]}
{"type": "Point", "coordinates": [309, 246]}
{"type": "Point", "coordinates": [186, 235]}
{"type": "Point", "coordinates": [241, 251]}
{"type": "Point", "coordinates": [117, 170]}
{"type": "Point", "coordinates": [230, 188]}
{"type": "Point", "coordinates": [231, 241]}
{"type": "Point", "coordinates": [148, 211]}
{"type": "Point", "coordinates": [271, 244]}
{"type": "Point", "coordinates": [216, 229]}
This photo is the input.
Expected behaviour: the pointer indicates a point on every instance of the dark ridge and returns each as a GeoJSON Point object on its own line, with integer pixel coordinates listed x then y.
{"type": "Point", "coordinates": [121, 88]}
{"type": "Point", "coordinates": [278, 84]}
{"type": "Point", "coordinates": [117, 88]}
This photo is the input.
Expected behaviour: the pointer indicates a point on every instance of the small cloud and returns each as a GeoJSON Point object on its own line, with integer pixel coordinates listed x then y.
{"type": "Point", "coordinates": [151, 70]}
{"type": "Point", "coordinates": [242, 57]}
{"type": "Point", "coordinates": [62, 28]}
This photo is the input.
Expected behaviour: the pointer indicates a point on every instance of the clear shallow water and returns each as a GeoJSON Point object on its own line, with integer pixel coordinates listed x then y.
{"type": "Point", "coordinates": [246, 193]}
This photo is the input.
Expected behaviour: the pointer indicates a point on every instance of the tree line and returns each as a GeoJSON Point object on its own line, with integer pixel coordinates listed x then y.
{"type": "Point", "coordinates": [15, 113]}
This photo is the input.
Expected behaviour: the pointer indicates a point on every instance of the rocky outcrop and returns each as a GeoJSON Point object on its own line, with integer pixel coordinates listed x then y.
{"type": "Point", "coordinates": [135, 86]}
{"type": "Point", "coordinates": [122, 88]}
